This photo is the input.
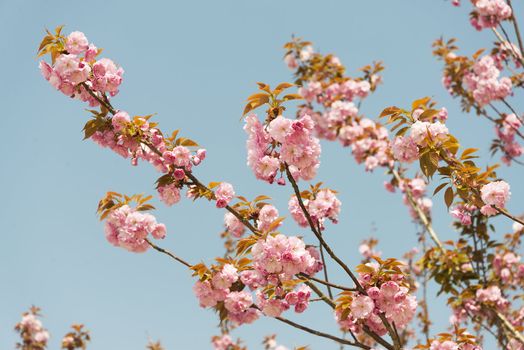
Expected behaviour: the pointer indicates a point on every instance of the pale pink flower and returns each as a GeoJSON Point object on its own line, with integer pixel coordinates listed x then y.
{"type": "Point", "coordinates": [169, 194]}
{"type": "Point", "coordinates": [224, 194]}
{"type": "Point", "coordinates": [405, 149]}
{"type": "Point", "coordinates": [76, 43]}
{"type": "Point", "coordinates": [362, 306]}
{"type": "Point", "coordinates": [226, 277]}
{"type": "Point", "coordinates": [233, 225]}
{"type": "Point", "coordinates": [495, 193]}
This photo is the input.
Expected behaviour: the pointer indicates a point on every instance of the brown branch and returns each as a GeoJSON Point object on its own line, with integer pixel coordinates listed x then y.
{"type": "Point", "coordinates": [508, 215]}
{"type": "Point", "coordinates": [509, 327]}
{"type": "Point", "coordinates": [168, 253]}
{"type": "Point", "coordinates": [322, 334]}
{"type": "Point", "coordinates": [326, 276]}
{"type": "Point", "coordinates": [516, 27]}
{"type": "Point", "coordinates": [321, 295]}
{"type": "Point", "coordinates": [317, 234]}
{"type": "Point", "coordinates": [501, 40]}
{"type": "Point", "coordinates": [327, 283]}
{"type": "Point", "coordinates": [422, 216]}
{"type": "Point", "coordinates": [104, 103]}
{"type": "Point", "coordinates": [332, 254]}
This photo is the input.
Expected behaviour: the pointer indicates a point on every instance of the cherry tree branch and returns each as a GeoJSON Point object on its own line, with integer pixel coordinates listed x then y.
{"type": "Point", "coordinates": [516, 27]}
{"type": "Point", "coordinates": [507, 324]}
{"type": "Point", "coordinates": [420, 213]}
{"type": "Point", "coordinates": [168, 253]}
{"type": "Point", "coordinates": [508, 215]}
{"type": "Point", "coordinates": [332, 254]}
{"type": "Point", "coordinates": [327, 283]}
{"type": "Point", "coordinates": [317, 234]}
{"type": "Point", "coordinates": [322, 334]}
{"type": "Point", "coordinates": [501, 40]}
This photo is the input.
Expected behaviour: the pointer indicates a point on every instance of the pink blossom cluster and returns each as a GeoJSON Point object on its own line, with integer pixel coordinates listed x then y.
{"type": "Point", "coordinates": [282, 141]}
{"type": "Point", "coordinates": [274, 307]}
{"type": "Point", "coordinates": [223, 342]}
{"type": "Point", "coordinates": [490, 295]}
{"type": "Point", "coordinates": [339, 120]}
{"type": "Point", "coordinates": [71, 69]}
{"type": "Point", "coordinates": [463, 212]}
{"type": "Point", "coordinates": [224, 194]}
{"type": "Point", "coordinates": [266, 216]}
{"type": "Point", "coordinates": [234, 226]}
{"type": "Point", "coordinates": [313, 91]}
{"type": "Point", "coordinates": [495, 193]}
{"type": "Point", "coordinates": [367, 250]}
{"type": "Point", "coordinates": [137, 138]}
{"type": "Point", "coordinates": [489, 13]}
{"type": "Point", "coordinates": [324, 206]}
{"type": "Point", "coordinates": [32, 332]}
{"type": "Point", "coordinates": [217, 290]}
{"type": "Point", "coordinates": [280, 257]}
{"type": "Point", "coordinates": [422, 131]}
{"type": "Point", "coordinates": [368, 140]}
{"type": "Point", "coordinates": [508, 267]}
{"type": "Point", "coordinates": [369, 143]}
{"type": "Point", "coordinates": [270, 343]}
{"type": "Point", "coordinates": [417, 187]}
{"type": "Point", "coordinates": [507, 52]}
{"type": "Point", "coordinates": [484, 83]}
{"type": "Point", "coordinates": [177, 159]}
{"type": "Point", "coordinates": [275, 260]}
{"type": "Point", "coordinates": [388, 297]}
{"type": "Point", "coordinates": [406, 148]}
{"type": "Point", "coordinates": [451, 345]}
{"type": "Point", "coordinates": [128, 228]}
{"type": "Point", "coordinates": [506, 133]}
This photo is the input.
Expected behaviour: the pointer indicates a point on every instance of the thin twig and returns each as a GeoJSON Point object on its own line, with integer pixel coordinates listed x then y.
{"type": "Point", "coordinates": [168, 253]}
{"type": "Point", "coordinates": [332, 254]}
{"type": "Point", "coordinates": [326, 283]}
{"type": "Point", "coordinates": [326, 276]}
{"type": "Point", "coordinates": [508, 215]}
{"type": "Point", "coordinates": [516, 26]}
{"type": "Point", "coordinates": [322, 334]}
{"type": "Point", "coordinates": [321, 295]}
{"type": "Point", "coordinates": [318, 235]}
{"type": "Point", "coordinates": [501, 40]}
{"type": "Point", "coordinates": [420, 213]}
{"type": "Point", "coordinates": [509, 327]}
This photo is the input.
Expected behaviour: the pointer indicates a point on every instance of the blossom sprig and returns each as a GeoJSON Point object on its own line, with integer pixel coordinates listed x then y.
{"type": "Point", "coordinates": [383, 306]}
{"type": "Point", "coordinates": [225, 342]}
{"type": "Point", "coordinates": [438, 152]}
{"type": "Point", "coordinates": [477, 82]}
{"type": "Point", "coordinates": [127, 226]}
{"type": "Point", "coordinates": [78, 338]}
{"type": "Point", "coordinates": [460, 339]}
{"type": "Point", "coordinates": [327, 69]}
{"type": "Point", "coordinates": [324, 84]}
{"type": "Point", "coordinates": [83, 77]}
{"type": "Point", "coordinates": [321, 203]}
{"type": "Point", "coordinates": [33, 336]}
{"type": "Point", "coordinates": [278, 141]}
{"type": "Point", "coordinates": [269, 271]}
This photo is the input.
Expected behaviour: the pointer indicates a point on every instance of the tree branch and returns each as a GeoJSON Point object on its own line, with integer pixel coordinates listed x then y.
{"type": "Point", "coordinates": [322, 334]}
{"type": "Point", "coordinates": [168, 253]}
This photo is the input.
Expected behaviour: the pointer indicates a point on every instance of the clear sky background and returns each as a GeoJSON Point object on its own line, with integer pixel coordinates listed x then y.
{"type": "Point", "coordinates": [194, 63]}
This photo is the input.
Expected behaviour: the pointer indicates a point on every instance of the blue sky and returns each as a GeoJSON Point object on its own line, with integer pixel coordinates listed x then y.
{"type": "Point", "coordinates": [194, 63]}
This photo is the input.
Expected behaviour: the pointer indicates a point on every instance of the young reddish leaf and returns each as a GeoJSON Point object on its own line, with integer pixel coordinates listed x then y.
{"type": "Point", "coordinates": [448, 196]}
